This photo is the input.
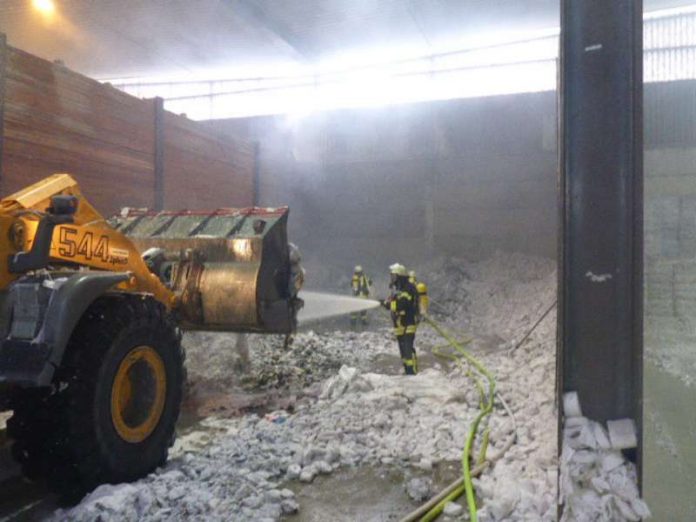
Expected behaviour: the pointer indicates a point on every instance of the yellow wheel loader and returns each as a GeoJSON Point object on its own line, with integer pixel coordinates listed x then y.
{"type": "Point", "coordinates": [91, 362]}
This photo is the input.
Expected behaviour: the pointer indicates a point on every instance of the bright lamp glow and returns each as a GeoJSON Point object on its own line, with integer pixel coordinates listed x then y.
{"type": "Point", "coordinates": [45, 7]}
{"type": "Point", "coordinates": [499, 64]}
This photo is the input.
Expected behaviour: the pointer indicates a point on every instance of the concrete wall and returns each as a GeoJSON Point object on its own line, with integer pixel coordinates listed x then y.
{"type": "Point", "coordinates": [670, 253]}
{"type": "Point", "coordinates": [670, 227]}
{"type": "Point", "coordinates": [373, 186]}
{"type": "Point", "coordinates": [467, 177]}
{"type": "Point", "coordinates": [669, 460]}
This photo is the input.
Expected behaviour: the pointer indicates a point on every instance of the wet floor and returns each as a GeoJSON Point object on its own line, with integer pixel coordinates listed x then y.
{"type": "Point", "coordinates": [20, 500]}
{"type": "Point", "coordinates": [350, 494]}
{"type": "Point", "coordinates": [390, 364]}
{"type": "Point", "coordinates": [670, 446]}
{"type": "Point", "coordinates": [25, 501]}
{"type": "Point", "coordinates": [366, 494]}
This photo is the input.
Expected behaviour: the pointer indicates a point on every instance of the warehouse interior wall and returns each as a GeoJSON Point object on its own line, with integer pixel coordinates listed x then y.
{"type": "Point", "coordinates": [670, 214]}
{"type": "Point", "coordinates": [122, 150]}
{"type": "Point", "coordinates": [467, 177]}
{"type": "Point", "coordinates": [670, 299]}
{"type": "Point", "coordinates": [372, 186]}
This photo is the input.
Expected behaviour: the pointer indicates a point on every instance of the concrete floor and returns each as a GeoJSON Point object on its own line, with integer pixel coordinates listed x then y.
{"type": "Point", "coordinates": [670, 446]}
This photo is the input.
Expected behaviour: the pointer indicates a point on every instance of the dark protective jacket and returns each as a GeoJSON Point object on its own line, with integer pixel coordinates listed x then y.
{"type": "Point", "coordinates": [403, 304]}
{"type": "Point", "coordinates": [361, 285]}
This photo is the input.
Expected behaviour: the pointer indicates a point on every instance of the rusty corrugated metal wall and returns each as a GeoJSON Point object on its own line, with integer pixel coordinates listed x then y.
{"type": "Point", "coordinates": [670, 71]}
{"type": "Point", "coordinates": [119, 149]}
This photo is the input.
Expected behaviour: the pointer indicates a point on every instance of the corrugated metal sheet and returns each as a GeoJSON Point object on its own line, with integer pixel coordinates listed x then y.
{"type": "Point", "coordinates": [670, 70]}
{"type": "Point", "coordinates": [670, 114]}
{"type": "Point", "coordinates": [670, 48]}
{"type": "Point", "coordinates": [55, 120]}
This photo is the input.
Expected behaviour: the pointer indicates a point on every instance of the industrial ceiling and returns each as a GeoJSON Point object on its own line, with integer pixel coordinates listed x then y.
{"type": "Point", "coordinates": [177, 38]}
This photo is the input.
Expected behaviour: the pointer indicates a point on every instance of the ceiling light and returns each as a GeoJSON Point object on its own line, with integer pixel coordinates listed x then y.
{"type": "Point", "coordinates": [45, 7]}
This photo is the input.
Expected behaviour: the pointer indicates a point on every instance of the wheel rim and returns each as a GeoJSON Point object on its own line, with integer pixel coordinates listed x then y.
{"type": "Point", "coordinates": [138, 394]}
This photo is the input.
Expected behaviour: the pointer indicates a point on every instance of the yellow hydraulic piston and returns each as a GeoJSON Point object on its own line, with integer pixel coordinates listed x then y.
{"type": "Point", "coordinates": [225, 269]}
{"type": "Point", "coordinates": [87, 241]}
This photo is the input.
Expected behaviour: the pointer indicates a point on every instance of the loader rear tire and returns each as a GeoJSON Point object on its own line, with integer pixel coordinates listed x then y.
{"type": "Point", "coordinates": [118, 393]}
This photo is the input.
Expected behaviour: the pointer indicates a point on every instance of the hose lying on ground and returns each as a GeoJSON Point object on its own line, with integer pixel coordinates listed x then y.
{"type": "Point", "coordinates": [486, 407]}
{"type": "Point", "coordinates": [435, 506]}
{"type": "Point", "coordinates": [430, 504]}
{"type": "Point", "coordinates": [534, 327]}
{"type": "Point", "coordinates": [475, 472]}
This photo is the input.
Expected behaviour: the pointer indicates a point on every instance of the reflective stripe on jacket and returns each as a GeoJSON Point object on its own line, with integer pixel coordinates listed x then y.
{"type": "Point", "coordinates": [404, 310]}
{"type": "Point", "coordinates": [360, 285]}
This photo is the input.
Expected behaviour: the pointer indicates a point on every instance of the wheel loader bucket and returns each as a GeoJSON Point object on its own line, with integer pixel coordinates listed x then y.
{"type": "Point", "coordinates": [231, 269]}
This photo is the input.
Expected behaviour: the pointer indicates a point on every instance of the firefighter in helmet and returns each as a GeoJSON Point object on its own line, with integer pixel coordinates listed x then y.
{"type": "Point", "coordinates": [361, 285]}
{"type": "Point", "coordinates": [422, 289]}
{"type": "Point", "coordinates": [403, 304]}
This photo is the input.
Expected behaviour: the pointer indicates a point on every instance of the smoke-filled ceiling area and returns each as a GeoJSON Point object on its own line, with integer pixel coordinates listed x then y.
{"type": "Point", "coordinates": [347, 212]}
{"type": "Point", "coordinates": [116, 39]}
{"type": "Point", "coordinates": [177, 38]}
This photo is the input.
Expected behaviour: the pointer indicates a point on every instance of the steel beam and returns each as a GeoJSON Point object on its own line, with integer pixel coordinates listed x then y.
{"type": "Point", "coordinates": [601, 269]}
{"type": "Point", "coordinates": [256, 196]}
{"type": "Point", "coordinates": [158, 160]}
{"type": "Point", "coordinates": [3, 81]}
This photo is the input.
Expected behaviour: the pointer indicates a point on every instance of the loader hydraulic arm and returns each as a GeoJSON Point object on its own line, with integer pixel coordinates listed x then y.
{"type": "Point", "coordinates": [53, 213]}
{"type": "Point", "coordinates": [61, 211]}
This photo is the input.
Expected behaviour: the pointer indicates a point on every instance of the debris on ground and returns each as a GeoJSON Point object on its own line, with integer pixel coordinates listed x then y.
{"type": "Point", "coordinates": [355, 409]}
{"type": "Point", "coordinates": [598, 484]}
{"type": "Point", "coordinates": [420, 489]}
{"type": "Point", "coordinates": [453, 510]}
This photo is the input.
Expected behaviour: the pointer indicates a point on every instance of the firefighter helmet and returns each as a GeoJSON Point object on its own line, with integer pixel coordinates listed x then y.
{"type": "Point", "coordinates": [398, 269]}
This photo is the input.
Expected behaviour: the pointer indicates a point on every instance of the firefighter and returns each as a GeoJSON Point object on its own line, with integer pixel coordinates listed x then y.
{"type": "Point", "coordinates": [403, 304]}
{"type": "Point", "coordinates": [422, 289]}
{"type": "Point", "coordinates": [361, 285]}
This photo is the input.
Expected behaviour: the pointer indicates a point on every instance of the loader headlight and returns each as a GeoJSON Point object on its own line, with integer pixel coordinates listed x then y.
{"type": "Point", "coordinates": [17, 233]}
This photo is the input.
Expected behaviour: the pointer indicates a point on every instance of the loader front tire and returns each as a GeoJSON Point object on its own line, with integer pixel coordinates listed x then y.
{"type": "Point", "coordinates": [118, 393]}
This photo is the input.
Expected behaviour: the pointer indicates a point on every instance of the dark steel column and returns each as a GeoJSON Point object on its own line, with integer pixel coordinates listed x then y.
{"type": "Point", "coordinates": [601, 271]}
{"type": "Point", "coordinates": [159, 154]}
{"type": "Point", "coordinates": [3, 66]}
{"type": "Point", "coordinates": [256, 197]}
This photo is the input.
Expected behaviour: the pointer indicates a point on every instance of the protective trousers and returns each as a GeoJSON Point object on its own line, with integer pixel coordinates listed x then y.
{"type": "Point", "coordinates": [408, 353]}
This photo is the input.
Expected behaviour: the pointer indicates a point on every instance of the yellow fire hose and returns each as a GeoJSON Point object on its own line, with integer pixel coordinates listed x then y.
{"type": "Point", "coordinates": [432, 509]}
{"type": "Point", "coordinates": [486, 407]}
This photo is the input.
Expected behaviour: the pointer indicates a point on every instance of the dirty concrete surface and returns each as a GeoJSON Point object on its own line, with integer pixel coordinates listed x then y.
{"type": "Point", "coordinates": [307, 432]}
{"type": "Point", "coordinates": [669, 448]}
